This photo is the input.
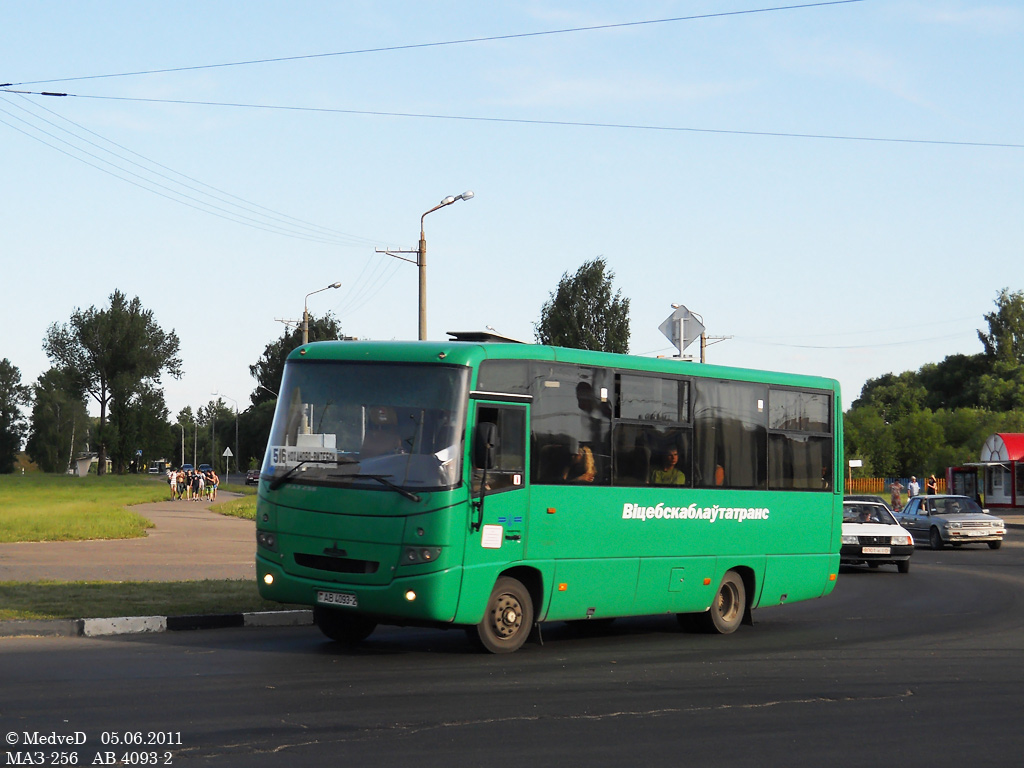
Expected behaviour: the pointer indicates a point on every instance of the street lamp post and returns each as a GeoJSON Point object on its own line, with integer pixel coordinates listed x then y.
{"type": "Point", "coordinates": [305, 311]}
{"type": "Point", "coordinates": [237, 455]}
{"type": "Point", "coordinates": [421, 258]}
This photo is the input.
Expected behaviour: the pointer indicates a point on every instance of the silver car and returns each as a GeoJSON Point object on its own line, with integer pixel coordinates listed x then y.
{"type": "Point", "coordinates": [955, 520]}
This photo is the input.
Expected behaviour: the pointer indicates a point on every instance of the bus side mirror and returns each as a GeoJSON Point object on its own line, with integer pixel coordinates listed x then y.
{"type": "Point", "coordinates": [485, 447]}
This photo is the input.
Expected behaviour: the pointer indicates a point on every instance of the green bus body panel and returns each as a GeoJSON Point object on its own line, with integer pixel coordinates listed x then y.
{"type": "Point", "coordinates": [582, 551]}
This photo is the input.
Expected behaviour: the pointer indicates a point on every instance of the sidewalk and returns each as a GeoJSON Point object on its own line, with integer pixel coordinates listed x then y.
{"type": "Point", "coordinates": [188, 543]}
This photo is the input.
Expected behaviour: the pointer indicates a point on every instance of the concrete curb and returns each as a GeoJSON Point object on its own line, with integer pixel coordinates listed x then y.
{"type": "Point", "coordinates": [130, 625]}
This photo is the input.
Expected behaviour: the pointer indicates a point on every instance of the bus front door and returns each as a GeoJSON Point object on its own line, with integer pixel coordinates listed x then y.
{"type": "Point", "coordinates": [497, 525]}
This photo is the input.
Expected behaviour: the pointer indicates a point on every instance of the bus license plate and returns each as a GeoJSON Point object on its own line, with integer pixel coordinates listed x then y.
{"type": "Point", "coordinates": [337, 598]}
{"type": "Point", "coordinates": [876, 550]}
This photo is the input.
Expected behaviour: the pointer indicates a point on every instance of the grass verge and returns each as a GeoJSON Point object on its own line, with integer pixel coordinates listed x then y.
{"type": "Point", "coordinates": [104, 599]}
{"type": "Point", "coordinates": [244, 507]}
{"type": "Point", "coordinates": [39, 507]}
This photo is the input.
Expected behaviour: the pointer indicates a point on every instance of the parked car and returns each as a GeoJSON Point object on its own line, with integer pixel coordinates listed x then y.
{"type": "Point", "coordinates": [947, 519]}
{"type": "Point", "coordinates": [872, 536]}
{"type": "Point", "coordinates": [204, 468]}
{"type": "Point", "coordinates": [252, 477]}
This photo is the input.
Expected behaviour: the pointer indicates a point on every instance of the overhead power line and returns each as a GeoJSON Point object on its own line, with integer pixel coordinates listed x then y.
{"type": "Point", "coordinates": [438, 44]}
{"type": "Point", "coordinates": [529, 121]}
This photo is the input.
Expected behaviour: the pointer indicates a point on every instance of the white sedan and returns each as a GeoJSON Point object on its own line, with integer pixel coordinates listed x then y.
{"type": "Point", "coordinates": [872, 536]}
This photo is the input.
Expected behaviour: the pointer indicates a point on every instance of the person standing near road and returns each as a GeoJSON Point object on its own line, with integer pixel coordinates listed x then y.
{"type": "Point", "coordinates": [894, 494]}
{"type": "Point", "coordinates": [172, 479]}
{"type": "Point", "coordinates": [931, 486]}
{"type": "Point", "coordinates": [914, 488]}
{"type": "Point", "coordinates": [212, 482]}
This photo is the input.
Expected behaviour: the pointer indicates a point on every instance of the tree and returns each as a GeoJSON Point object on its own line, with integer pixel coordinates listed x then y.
{"type": "Point", "coordinates": [60, 421]}
{"type": "Point", "coordinates": [868, 437]}
{"type": "Point", "coordinates": [953, 383]}
{"type": "Point", "coordinates": [115, 354]}
{"type": "Point", "coordinates": [583, 313]}
{"type": "Point", "coordinates": [269, 369]}
{"type": "Point", "coordinates": [13, 395]}
{"type": "Point", "coordinates": [893, 396]}
{"type": "Point", "coordinates": [1005, 340]}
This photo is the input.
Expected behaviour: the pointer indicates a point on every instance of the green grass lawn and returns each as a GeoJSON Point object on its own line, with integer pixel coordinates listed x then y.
{"type": "Point", "coordinates": [244, 507]}
{"type": "Point", "coordinates": [40, 507]}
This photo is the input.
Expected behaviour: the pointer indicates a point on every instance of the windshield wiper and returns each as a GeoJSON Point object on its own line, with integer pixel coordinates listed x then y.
{"type": "Point", "coordinates": [277, 482]}
{"type": "Point", "coordinates": [383, 480]}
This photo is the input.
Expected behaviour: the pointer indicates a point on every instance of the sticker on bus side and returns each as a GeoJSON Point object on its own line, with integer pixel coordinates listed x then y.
{"type": "Point", "coordinates": [492, 536]}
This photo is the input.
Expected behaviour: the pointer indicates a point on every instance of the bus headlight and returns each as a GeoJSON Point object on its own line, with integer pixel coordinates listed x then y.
{"type": "Point", "coordinates": [420, 555]}
{"type": "Point", "coordinates": [266, 540]}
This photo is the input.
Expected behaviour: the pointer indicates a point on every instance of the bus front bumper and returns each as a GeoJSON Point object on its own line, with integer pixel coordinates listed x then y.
{"type": "Point", "coordinates": [430, 597]}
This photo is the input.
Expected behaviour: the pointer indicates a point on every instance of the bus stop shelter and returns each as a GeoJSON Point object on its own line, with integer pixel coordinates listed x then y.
{"type": "Point", "coordinates": [999, 471]}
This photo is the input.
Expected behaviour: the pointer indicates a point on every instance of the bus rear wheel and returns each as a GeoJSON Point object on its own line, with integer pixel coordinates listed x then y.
{"type": "Point", "coordinates": [726, 612]}
{"type": "Point", "coordinates": [508, 619]}
{"type": "Point", "coordinates": [343, 627]}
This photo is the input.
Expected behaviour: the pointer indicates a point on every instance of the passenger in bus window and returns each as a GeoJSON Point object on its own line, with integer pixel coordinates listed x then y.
{"type": "Point", "coordinates": [582, 468]}
{"type": "Point", "coordinates": [669, 473]}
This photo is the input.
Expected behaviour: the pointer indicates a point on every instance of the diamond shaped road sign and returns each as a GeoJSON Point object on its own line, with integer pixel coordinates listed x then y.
{"type": "Point", "coordinates": [682, 328]}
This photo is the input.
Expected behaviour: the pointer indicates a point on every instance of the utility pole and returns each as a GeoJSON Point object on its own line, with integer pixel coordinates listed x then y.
{"type": "Point", "coordinates": [421, 259]}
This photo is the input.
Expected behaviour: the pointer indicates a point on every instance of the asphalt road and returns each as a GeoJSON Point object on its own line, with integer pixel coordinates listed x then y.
{"type": "Point", "coordinates": [922, 669]}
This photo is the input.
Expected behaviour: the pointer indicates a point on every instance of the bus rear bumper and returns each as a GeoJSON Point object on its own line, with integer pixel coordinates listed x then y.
{"type": "Point", "coordinates": [427, 598]}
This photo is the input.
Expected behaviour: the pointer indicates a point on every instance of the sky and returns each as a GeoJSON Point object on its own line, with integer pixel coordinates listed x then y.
{"type": "Point", "coordinates": [837, 189]}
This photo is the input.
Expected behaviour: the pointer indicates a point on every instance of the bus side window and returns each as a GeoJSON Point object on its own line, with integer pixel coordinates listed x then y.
{"type": "Point", "coordinates": [510, 455]}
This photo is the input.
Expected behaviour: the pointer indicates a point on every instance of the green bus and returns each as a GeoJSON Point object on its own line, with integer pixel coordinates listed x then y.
{"type": "Point", "coordinates": [495, 486]}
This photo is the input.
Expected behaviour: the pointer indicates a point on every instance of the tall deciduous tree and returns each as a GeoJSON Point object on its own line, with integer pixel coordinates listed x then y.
{"type": "Point", "coordinates": [115, 353]}
{"type": "Point", "coordinates": [60, 421]}
{"type": "Point", "coordinates": [585, 313]}
{"type": "Point", "coordinates": [13, 395]}
{"type": "Point", "coordinates": [1005, 338]}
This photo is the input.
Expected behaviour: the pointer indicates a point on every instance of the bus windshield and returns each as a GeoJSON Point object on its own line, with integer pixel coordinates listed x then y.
{"type": "Point", "coordinates": [396, 426]}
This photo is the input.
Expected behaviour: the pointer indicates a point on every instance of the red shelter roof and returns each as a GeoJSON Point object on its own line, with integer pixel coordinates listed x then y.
{"type": "Point", "coordinates": [1004, 446]}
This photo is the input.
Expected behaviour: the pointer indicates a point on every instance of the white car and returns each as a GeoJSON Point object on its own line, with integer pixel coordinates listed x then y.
{"type": "Point", "coordinates": [872, 536]}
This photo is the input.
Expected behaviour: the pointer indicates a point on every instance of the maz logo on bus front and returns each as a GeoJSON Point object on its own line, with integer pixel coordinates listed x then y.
{"type": "Point", "coordinates": [693, 512]}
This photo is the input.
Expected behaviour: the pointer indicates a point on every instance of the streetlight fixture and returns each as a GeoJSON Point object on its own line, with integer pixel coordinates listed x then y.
{"type": "Point", "coordinates": [421, 257]}
{"type": "Point", "coordinates": [237, 455]}
{"type": "Point", "coordinates": [305, 311]}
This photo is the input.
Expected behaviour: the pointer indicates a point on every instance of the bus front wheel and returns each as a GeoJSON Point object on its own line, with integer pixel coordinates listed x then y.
{"type": "Point", "coordinates": [508, 619]}
{"type": "Point", "coordinates": [726, 612]}
{"type": "Point", "coordinates": [343, 627]}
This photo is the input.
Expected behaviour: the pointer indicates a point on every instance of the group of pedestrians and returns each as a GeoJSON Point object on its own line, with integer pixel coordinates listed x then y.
{"type": "Point", "coordinates": [193, 484]}
{"type": "Point", "coordinates": [931, 487]}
